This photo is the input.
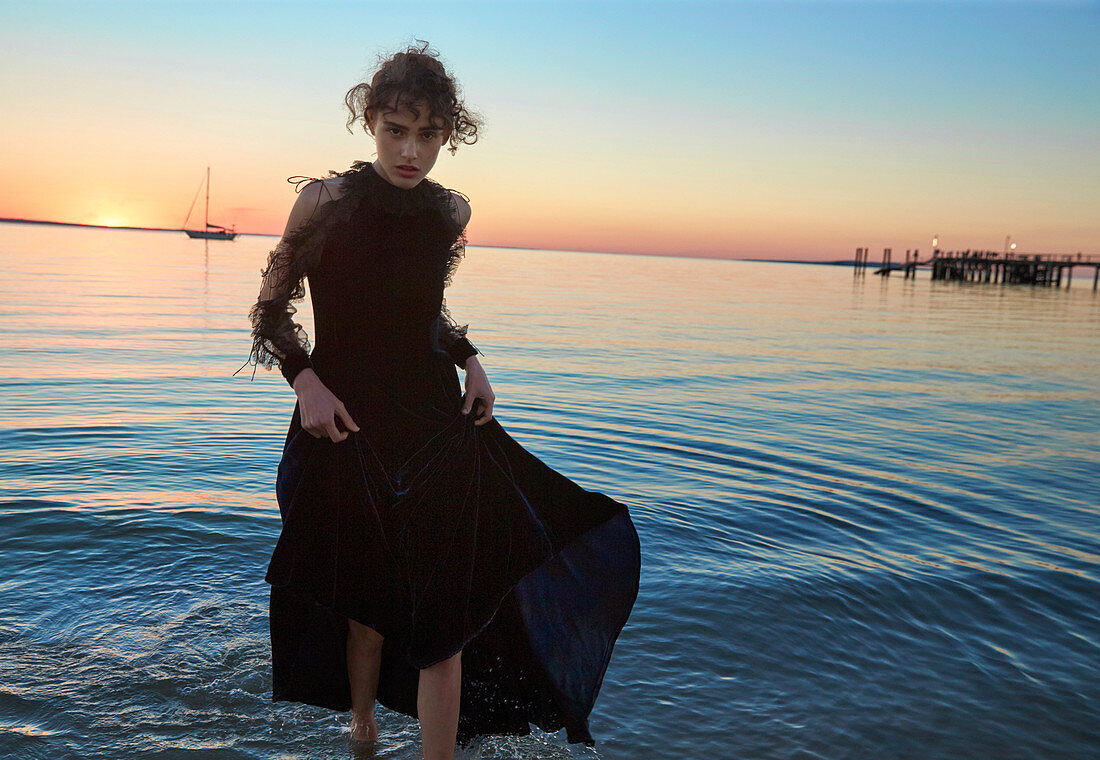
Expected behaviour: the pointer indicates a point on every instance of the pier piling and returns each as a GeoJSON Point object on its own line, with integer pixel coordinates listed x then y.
{"type": "Point", "coordinates": [1013, 268]}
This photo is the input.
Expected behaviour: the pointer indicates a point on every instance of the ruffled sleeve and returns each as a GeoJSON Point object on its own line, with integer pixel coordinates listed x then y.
{"type": "Point", "coordinates": [276, 338]}
{"type": "Point", "coordinates": [451, 337]}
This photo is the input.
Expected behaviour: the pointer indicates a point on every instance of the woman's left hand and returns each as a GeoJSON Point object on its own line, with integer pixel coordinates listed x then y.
{"type": "Point", "coordinates": [477, 387]}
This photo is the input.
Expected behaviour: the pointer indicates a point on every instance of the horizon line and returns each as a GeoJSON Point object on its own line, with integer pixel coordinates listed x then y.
{"type": "Point", "coordinates": [14, 220]}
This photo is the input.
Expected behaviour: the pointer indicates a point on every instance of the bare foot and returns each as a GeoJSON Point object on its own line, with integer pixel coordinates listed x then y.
{"type": "Point", "coordinates": [363, 727]}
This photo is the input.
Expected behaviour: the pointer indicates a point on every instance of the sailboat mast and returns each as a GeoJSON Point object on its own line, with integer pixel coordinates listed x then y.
{"type": "Point", "coordinates": [209, 231]}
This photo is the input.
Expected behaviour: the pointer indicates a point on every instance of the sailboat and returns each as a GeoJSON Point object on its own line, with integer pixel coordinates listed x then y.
{"type": "Point", "coordinates": [209, 231]}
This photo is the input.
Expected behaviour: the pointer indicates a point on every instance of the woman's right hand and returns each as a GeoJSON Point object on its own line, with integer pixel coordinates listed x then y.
{"type": "Point", "coordinates": [320, 409]}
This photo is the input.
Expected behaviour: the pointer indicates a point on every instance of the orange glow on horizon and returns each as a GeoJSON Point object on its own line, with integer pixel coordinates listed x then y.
{"type": "Point", "coordinates": [711, 217]}
{"type": "Point", "coordinates": [110, 220]}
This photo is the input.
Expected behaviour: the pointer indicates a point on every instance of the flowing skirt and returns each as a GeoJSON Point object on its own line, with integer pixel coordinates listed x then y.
{"type": "Point", "coordinates": [445, 536]}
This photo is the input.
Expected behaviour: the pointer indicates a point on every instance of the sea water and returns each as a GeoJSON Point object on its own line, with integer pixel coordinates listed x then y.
{"type": "Point", "coordinates": [868, 508]}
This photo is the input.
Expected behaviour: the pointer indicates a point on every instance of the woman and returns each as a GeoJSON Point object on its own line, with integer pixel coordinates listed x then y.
{"type": "Point", "coordinates": [426, 560]}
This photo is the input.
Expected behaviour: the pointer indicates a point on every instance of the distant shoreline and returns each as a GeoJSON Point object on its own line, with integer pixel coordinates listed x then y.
{"type": "Point", "coordinates": [834, 263]}
{"type": "Point", "coordinates": [10, 220]}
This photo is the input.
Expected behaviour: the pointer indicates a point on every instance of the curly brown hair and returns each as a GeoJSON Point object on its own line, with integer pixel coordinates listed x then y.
{"type": "Point", "coordinates": [408, 79]}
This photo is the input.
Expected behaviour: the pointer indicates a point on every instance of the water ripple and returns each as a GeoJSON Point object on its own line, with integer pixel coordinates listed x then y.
{"type": "Point", "coordinates": [867, 510]}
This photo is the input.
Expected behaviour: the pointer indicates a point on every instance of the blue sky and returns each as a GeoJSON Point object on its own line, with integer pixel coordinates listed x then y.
{"type": "Point", "coordinates": [756, 128]}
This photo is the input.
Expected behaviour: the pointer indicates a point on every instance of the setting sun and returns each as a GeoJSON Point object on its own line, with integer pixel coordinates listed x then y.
{"type": "Point", "coordinates": [112, 220]}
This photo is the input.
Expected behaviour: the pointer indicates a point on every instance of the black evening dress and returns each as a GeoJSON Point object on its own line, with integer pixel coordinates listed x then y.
{"type": "Point", "coordinates": [441, 535]}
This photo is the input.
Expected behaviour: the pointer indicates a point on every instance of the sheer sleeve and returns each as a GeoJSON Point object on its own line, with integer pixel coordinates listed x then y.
{"type": "Point", "coordinates": [451, 336]}
{"type": "Point", "coordinates": [276, 338]}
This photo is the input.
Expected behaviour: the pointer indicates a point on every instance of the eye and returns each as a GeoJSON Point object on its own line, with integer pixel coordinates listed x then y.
{"type": "Point", "coordinates": [395, 131]}
{"type": "Point", "coordinates": [429, 136]}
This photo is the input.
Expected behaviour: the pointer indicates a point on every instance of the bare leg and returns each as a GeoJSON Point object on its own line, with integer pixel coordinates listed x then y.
{"type": "Point", "coordinates": [437, 705]}
{"type": "Point", "coordinates": [364, 658]}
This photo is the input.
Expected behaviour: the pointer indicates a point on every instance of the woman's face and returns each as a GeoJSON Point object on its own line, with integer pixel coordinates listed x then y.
{"type": "Point", "coordinates": [408, 145]}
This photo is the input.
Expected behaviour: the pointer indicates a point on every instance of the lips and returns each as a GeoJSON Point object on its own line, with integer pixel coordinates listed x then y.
{"type": "Point", "coordinates": [406, 170]}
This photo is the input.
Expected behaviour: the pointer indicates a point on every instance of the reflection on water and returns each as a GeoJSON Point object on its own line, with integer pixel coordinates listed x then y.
{"type": "Point", "coordinates": [868, 509]}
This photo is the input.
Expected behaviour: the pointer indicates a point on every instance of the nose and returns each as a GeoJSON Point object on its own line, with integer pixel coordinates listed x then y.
{"type": "Point", "coordinates": [408, 147]}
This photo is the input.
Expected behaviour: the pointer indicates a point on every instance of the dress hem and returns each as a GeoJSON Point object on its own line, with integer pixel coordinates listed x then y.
{"type": "Point", "coordinates": [578, 733]}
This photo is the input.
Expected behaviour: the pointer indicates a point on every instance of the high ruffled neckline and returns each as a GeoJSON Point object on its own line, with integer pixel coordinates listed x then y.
{"type": "Point", "coordinates": [370, 187]}
{"type": "Point", "coordinates": [369, 166]}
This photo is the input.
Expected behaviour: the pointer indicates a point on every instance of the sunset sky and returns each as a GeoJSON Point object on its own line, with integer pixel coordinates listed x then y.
{"type": "Point", "coordinates": [736, 129]}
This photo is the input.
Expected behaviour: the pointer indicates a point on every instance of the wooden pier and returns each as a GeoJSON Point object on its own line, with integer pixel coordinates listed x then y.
{"type": "Point", "coordinates": [1048, 269]}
